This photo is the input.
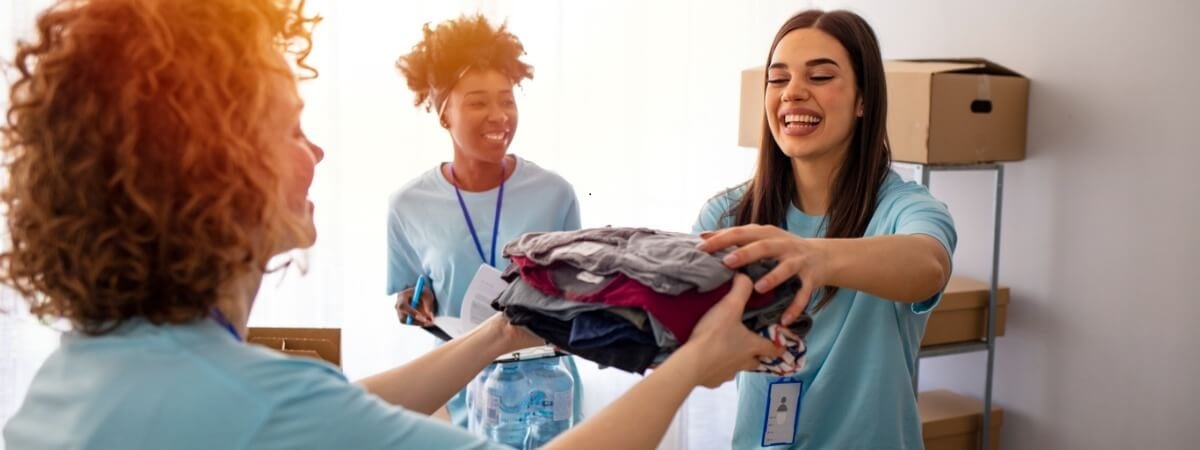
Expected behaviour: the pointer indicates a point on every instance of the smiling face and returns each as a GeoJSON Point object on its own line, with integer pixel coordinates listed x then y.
{"type": "Point", "coordinates": [811, 100]}
{"type": "Point", "coordinates": [303, 156]}
{"type": "Point", "coordinates": [481, 115]}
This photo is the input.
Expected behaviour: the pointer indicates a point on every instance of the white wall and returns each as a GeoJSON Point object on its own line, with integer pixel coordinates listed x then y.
{"type": "Point", "coordinates": [1096, 226]}
{"type": "Point", "coordinates": [1097, 236]}
{"type": "Point", "coordinates": [24, 342]}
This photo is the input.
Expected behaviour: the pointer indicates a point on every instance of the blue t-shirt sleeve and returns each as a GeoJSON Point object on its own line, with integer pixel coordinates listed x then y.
{"type": "Point", "coordinates": [714, 214]}
{"type": "Point", "coordinates": [316, 408]}
{"type": "Point", "coordinates": [571, 221]}
{"type": "Point", "coordinates": [403, 262]}
{"type": "Point", "coordinates": [921, 213]}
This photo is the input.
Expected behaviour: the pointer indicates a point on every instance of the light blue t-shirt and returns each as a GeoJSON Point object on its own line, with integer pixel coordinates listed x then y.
{"type": "Point", "coordinates": [427, 234]}
{"type": "Point", "coordinates": [857, 383]}
{"type": "Point", "coordinates": [194, 386]}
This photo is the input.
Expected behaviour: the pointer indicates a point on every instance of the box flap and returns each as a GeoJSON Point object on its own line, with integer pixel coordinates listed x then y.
{"type": "Point", "coordinates": [922, 67]}
{"type": "Point", "coordinates": [967, 293]}
{"type": "Point", "coordinates": [945, 413]}
{"type": "Point", "coordinates": [948, 65]}
{"type": "Point", "coordinates": [323, 342]}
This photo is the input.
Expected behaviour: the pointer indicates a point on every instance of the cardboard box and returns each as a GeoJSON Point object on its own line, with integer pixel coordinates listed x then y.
{"type": "Point", "coordinates": [750, 113]}
{"type": "Point", "coordinates": [961, 316]}
{"type": "Point", "coordinates": [950, 421]}
{"type": "Point", "coordinates": [319, 343]}
{"type": "Point", "coordinates": [952, 111]}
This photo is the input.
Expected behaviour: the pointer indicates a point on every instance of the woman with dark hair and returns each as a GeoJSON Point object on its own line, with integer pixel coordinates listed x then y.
{"type": "Point", "coordinates": [154, 164]}
{"type": "Point", "coordinates": [450, 220]}
{"type": "Point", "coordinates": [872, 252]}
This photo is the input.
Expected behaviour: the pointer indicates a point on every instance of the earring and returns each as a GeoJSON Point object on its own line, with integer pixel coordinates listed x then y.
{"type": "Point", "coordinates": [445, 124]}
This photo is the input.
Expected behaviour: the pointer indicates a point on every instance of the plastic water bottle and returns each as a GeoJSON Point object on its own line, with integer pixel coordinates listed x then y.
{"type": "Point", "coordinates": [507, 392]}
{"type": "Point", "coordinates": [476, 404]}
{"type": "Point", "coordinates": [551, 401]}
{"type": "Point", "coordinates": [539, 430]}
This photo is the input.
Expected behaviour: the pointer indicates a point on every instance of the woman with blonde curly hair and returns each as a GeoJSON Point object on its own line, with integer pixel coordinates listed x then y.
{"type": "Point", "coordinates": [450, 220]}
{"type": "Point", "coordinates": [155, 163]}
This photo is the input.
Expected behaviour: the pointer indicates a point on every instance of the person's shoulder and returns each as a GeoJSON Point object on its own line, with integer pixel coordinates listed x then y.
{"type": "Point", "coordinates": [271, 373]}
{"type": "Point", "coordinates": [717, 211]}
{"type": "Point", "coordinates": [529, 170]}
{"type": "Point", "coordinates": [260, 373]}
{"type": "Point", "coordinates": [898, 193]}
{"type": "Point", "coordinates": [532, 179]}
{"type": "Point", "coordinates": [725, 200]}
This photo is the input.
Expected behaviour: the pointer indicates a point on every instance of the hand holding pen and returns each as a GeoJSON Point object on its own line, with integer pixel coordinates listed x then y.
{"type": "Point", "coordinates": [416, 305]}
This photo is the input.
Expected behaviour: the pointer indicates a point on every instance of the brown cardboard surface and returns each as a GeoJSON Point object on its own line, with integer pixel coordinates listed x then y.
{"type": "Point", "coordinates": [961, 316]}
{"type": "Point", "coordinates": [930, 111]}
{"type": "Point", "coordinates": [969, 293]}
{"type": "Point", "coordinates": [750, 113]}
{"type": "Point", "coordinates": [951, 421]}
{"type": "Point", "coordinates": [325, 343]}
{"type": "Point", "coordinates": [908, 111]}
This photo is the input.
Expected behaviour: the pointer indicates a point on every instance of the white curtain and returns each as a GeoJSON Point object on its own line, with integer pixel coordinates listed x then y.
{"type": "Point", "coordinates": [24, 342]}
{"type": "Point", "coordinates": [635, 103]}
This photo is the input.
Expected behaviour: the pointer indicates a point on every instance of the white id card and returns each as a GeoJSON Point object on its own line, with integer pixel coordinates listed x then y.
{"type": "Point", "coordinates": [783, 410]}
{"type": "Point", "coordinates": [477, 303]}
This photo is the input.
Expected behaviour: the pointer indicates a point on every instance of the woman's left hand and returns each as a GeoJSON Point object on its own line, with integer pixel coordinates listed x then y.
{"type": "Point", "coordinates": [807, 259]}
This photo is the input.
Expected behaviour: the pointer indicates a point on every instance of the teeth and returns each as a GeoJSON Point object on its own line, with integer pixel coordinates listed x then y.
{"type": "Point", "coordinates": [802, 118]}
{"type": "Point", "coordinates": [494, 136]}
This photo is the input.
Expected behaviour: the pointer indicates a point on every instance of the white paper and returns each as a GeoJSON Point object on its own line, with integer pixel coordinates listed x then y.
{"type": "Point", "coordinates": [477, 303]}
{"type": "Point", "coordinates": [453, 326]}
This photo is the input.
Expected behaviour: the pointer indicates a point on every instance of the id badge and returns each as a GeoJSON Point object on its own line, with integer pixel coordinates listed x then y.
{"type": "Point", "coordinates": [783, 411]}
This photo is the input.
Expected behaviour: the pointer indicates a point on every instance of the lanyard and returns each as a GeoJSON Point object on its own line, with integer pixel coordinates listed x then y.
{"type": "Point", "coordinates": [219, 317]}
{"type": "Point", "coordinates": [495, 223]}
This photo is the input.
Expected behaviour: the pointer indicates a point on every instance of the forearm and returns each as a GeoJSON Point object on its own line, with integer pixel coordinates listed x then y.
{"type": "Point", "coordinates": [428, 382]}
{"type": "Point", "coordinates": [902, 268]}
{"type": "Point", "coordinates": [640, 417]}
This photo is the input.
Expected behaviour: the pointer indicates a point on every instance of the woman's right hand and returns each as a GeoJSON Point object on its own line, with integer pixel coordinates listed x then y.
{"type": "Point", "coordinates": [422, 315]}
{"type": "Point", "coordinates": [720, 345]}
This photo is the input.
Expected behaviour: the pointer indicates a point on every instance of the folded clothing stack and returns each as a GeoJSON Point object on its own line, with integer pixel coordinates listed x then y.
{"type": "Point", "coordinates": [628, 297]}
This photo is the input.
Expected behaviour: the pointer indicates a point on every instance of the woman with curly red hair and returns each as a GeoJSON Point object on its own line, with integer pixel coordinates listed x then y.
{"type": "Point", "coordinates": [155, 163]}
{"type": "Point", "coordinates": [453, 218]}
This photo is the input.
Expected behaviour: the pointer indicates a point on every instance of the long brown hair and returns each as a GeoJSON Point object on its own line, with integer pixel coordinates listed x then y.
{"type": "Point", "coordinates": [856, 185]}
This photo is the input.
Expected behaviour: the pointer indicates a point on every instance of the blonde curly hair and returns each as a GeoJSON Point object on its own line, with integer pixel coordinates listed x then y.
{"type": "Point", "coordinates": [142, 179]}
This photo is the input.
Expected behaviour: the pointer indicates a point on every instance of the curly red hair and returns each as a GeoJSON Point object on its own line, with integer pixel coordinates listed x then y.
{"type": "Point", "coordinates": [142, 182]}
{"type": "Point", "coordinates": [437, 62]}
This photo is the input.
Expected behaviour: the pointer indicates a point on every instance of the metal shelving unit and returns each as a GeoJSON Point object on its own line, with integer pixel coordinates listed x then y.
{"type": "Point", "coordinates": [921, 174]}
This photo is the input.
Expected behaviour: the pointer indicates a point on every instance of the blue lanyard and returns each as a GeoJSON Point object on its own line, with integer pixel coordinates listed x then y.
{"type": "Point", "coordinates": [495, 222]}
{"type": "Point", "coordinates": [220, 318]}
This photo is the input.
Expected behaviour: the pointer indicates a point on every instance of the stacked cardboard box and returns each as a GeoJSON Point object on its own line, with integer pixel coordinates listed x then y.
{"type": "Point", "coordinates": [961, 316]}
{"type": "Point", "coordinates": [955, 111]}
{"type": "Point", "coordinates": [320, 343]}
{"type": "Point", "coordinates": [951, 421]}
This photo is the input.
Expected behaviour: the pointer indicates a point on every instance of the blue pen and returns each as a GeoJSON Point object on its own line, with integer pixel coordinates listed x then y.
{"type": "Point", "coordinates": [416, 298]}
